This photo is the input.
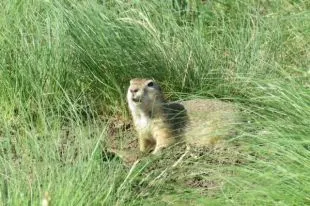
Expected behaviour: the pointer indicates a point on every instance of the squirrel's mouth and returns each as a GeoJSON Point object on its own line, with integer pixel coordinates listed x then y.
{"type": "Point", "coordinates": [136, 100]}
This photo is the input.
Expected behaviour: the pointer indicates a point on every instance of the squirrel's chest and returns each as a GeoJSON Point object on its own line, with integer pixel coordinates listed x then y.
{"type": "Point", "coordinates": [143, 122]}
{"type": "Point", "coordinates": [147, 124]}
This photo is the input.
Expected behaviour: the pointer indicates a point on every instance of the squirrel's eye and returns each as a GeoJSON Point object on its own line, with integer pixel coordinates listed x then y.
{"type": "Point", "coordinates": [150, 84]}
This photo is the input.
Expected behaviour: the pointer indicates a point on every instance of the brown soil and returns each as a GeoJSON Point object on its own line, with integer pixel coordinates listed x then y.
{"type": "Point", "coordinates": [174, 166]}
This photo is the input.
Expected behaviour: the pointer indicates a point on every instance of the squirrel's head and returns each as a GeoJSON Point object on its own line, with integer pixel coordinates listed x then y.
{"type": "Point", "coordinates": [144, 92]}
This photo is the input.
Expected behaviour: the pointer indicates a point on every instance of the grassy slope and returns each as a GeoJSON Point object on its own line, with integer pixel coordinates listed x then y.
{"type": "Point", "coordinates": [63, 69]}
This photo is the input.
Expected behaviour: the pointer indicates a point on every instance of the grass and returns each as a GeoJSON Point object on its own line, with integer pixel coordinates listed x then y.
{"type": "Point", "coordinates": [65, 66]}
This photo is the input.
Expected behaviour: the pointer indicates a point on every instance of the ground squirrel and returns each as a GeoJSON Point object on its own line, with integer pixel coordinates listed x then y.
{"type": "Point", "coordinates": [160, 124]}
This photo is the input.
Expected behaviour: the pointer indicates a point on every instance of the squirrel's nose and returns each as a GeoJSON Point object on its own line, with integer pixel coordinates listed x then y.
{"type": "Point", "coordinates": [134, 90]}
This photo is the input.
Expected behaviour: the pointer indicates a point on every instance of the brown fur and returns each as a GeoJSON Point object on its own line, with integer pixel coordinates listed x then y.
{"type": "Point", "coordinates": [160, 124]}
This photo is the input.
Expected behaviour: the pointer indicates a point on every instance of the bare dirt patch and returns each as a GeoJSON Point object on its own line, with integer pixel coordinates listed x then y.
{"type": "Point", "coordinates": [179, 166]}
